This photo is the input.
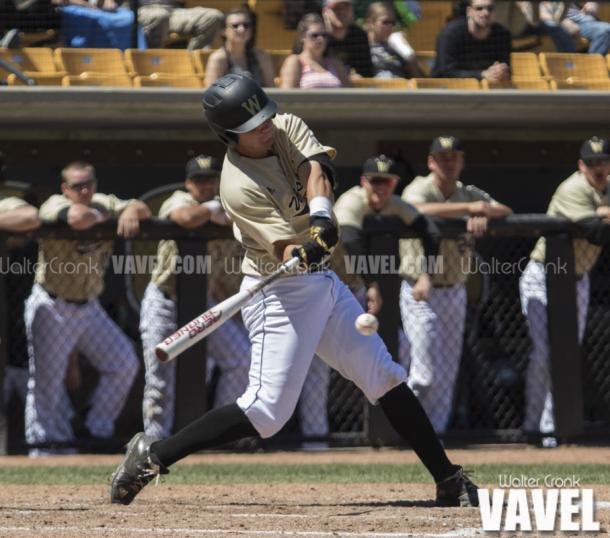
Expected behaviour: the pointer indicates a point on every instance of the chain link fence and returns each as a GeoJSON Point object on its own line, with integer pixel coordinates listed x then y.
{"type": "Point", "coordinates": [87, 373]}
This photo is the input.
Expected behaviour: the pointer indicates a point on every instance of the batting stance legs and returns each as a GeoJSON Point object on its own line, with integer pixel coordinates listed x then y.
{"type": "Point", "coordinates": [55, 328]}
{"type": "Point", "coordinates": [288, 321]}
{"type": "Point", "coordinates": [435, 333]}
{"type": "Point", "coordinates": [228, 347]}
{"type": "Point", "coordinates": [538, 395]}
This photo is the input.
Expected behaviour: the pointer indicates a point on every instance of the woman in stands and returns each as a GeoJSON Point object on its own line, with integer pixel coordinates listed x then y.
{"type": "Point", "coordinates": [310, 66]}
{"type": "Point", "coordinates": [238, 53]}
{"type": "Point", "coordinates": [392, 55]}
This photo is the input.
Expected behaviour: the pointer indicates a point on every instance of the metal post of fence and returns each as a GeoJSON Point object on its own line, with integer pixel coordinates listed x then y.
{"type": "Point", "coordinates": [565, 359]}
{"type": "Point", "coordinates": [133, 5]}
{"type": "Point", "coordinates": [380, 432]}
{"type": "Point", "coordinates": [191, 291]}
{"type": "Point", "coordinates": [3, 347]}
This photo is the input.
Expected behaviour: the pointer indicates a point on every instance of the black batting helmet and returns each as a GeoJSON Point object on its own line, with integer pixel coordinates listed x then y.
{"type": "Point", "coordinates": [236, 104]}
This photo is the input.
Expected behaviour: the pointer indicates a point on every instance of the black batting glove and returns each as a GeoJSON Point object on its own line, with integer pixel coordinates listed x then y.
{"type": "Point", "coordinates": [310, 253]}
{"type": "Point", "coordinates": [323, 231]}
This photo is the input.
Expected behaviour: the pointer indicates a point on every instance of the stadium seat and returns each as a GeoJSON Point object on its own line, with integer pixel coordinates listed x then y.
{"type": "Point", "coordinates": [35, 39]}
{"type": "Point", "coordinates": [608, 61]}
{"type": "Point", "coordinates": [90, 61]}
{"type": "Point", "coordinates": [30, 60]}
{"type": "Point", "coordinates": [278, 57]}
{"type": "Point", "coordinates": [573, 66]}
{"type": "Point", "coordinates": [525, 66]}
{"type": "Point", "coordinates": [593, 85]}
{"type": "Point", "coordinates": [159, 61]}
{"type": "Point", "coordinates": [538, 84]}
{"type": "Point", "coordinates": [425, 60]}
{"type": "Point", "coordinates": [42, 79]}
{"type": "Point", "coordinates": [446, 83]}
{"type": "Point", "coordinates": [200, 59]}
{"type": "Point", "coordinates": [170, 81]}
{"type": "Point", "coordinates": [382, 83]}
{"type": "Point", "coordinates": [118, 81]}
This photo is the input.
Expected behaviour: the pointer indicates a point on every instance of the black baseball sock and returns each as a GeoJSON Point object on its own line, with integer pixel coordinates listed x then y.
{"type": "Point", "coordinates": [409, 419]}
{"type": "Point", "coordinates": [216, 427]}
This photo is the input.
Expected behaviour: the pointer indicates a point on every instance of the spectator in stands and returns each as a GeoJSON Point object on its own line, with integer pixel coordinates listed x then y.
{"type": "Point", "coordinates": [25, 16]}
{"type": "Point", "coordinates": [311, 66]}
{"type": "Point", "coordinates": [63, 314]}
{"type": "Point", "coordinates": [578, 21]}
{"type": "Point", "coordinates": [474, 46]}
{"type": "Point", "coordinates": [391, 54]}
{"type": "Point", "coordinates": [347, 42]}
{"type": "Point", "coordinates": [545, 18]}
{"type": "Point", "coordinates": [238, 53]}
{"type": "Point", "coordinates": [581, 198]}
{"type": "Point", "coordinates": [160, 17]}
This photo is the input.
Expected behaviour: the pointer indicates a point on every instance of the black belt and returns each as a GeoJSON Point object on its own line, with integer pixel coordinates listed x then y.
{"type": "Point", "coordinates": [71, 301]}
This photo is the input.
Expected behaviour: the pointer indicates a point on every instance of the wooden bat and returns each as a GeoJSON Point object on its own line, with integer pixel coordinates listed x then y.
{"type": "Point", "coordinates": [213, 318]}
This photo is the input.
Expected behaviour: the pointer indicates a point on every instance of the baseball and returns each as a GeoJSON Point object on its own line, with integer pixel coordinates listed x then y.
{"type": "Point", "coordinates": [366, 324]}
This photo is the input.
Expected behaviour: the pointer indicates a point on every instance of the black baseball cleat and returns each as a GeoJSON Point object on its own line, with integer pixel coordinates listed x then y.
{"type": "Point", "coordinates": [457, 490]}
{"type": "Point", "coordinates": [136, 470]}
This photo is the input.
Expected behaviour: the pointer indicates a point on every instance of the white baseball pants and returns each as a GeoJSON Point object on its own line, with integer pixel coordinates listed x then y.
{"type": "Point", "coordinates": [435, 334]}
{"type": "Point", "coordinates": [228, 347]}
{"type": "Point", "coordinates": [54, 329]}
{"type": "Point", "coordinates": [290, 320]}
{"type": "Point", "coordinates": [538, 395]}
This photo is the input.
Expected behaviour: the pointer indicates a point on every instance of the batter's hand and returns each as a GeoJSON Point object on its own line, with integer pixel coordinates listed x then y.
{"type": "Point", "coordinates": [310, 253]}
{"type": "Point", "coordinates": [324, 232]}
{"type": "Point", "coordinates": [477, 225]}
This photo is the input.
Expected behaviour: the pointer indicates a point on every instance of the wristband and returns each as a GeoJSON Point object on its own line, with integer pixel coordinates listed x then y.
{"type": "Point", "coordinates": [214, 206]}
{"type": "Point", "coordinates": [320, 206]}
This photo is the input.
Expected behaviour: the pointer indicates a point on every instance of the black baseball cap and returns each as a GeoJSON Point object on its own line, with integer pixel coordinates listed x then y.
{"type": "Point", "coordinates": [380, 166]}
{"type": "Point", "coordinates": [202, 166]}
{"type": "Point", "coordinates": [595, 148]}
{"type": "Point", "coordinates": [445, 143]}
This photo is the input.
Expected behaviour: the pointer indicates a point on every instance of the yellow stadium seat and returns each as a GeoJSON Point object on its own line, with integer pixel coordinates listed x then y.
{"type": "Point", "coordinates": [93, 61]}
{"type": "Point", "coordinates": [592, 85]}
{"type": "Point", "coordinates": [525, 66]}
{"type": "Point", "coordinates": [159, 61]}
{"type": "Point", "coordinates": [30, 60]}
{"type": "Point", "coordinates": [118, 81]}
{"type": "Point", "coordinates": [538, 84]}
{"type": "Point", "coordinates": [608, 61]}
{"type": "Point", "coordinates": [278, 57]}
{"type": "Point", "coordinates": [43, 37]}
{"type": "Point", "coordinates": [446, 83]}
{"type": "Point", "coordinates": [42, 79]}
{"type": "Point", "coordinates": [200, 59]}
{"type": "Point", "coordinates": [573, 66]}
{"type": "Point", "coordinates": [425, 60]}
{"type": "Point", "coordinates": [382, 83]}
{"type": "Point", "coordinates": [171, 81]}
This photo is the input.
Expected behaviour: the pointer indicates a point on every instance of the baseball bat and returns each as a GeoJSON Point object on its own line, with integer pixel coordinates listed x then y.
{"type": "Point", "coordinates": [213, 318]}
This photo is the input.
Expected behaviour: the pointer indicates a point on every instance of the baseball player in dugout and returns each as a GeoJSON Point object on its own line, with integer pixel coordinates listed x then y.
{"type": "Point", "coordinates": [434, 309]}
{"type": "Point", "coordinates": [581, 198]}
{"type": "Point", "coordinates": [63, 315]}
{"type": "Point", "coordinates": [277, 188]}
{"type": "Point", "coordinates": [228, 347]}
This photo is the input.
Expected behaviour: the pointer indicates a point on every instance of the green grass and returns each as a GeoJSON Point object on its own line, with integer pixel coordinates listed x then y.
{"type": "Point", "coordinates": [311, 474]}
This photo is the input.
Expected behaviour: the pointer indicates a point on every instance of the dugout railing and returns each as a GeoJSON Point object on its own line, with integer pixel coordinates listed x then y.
{"type": "Point", "coordinates": [489, 399]}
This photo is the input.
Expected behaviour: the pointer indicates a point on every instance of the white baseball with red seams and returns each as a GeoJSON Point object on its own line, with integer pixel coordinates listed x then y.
{"type": "Point", "coordinates": [366, 324]}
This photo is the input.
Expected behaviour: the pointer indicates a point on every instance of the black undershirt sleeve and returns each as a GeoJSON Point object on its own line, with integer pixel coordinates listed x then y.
{"type": "Point", "coordinates": [429, 234]}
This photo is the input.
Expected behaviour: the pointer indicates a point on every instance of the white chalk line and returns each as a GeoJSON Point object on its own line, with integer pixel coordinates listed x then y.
{"type": "Point", "coordinates": [153, 531]}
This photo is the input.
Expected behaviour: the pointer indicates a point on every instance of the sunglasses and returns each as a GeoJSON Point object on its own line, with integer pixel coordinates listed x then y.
{"type": "Point", "coordinates": [484, 8]}
{"type": "Point", "coordinates": [78, 187]}
{"type": "Point", "coordinates": [316, 35]}
{"type": "Point", "coordinates": [236, 25]}
{"type": "Point", "coordinates": [381, 180]}
{"type": "Point", "coordinates": [388, 22]}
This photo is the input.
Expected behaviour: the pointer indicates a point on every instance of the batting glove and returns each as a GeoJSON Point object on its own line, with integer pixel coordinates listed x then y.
{"type": "Point", "coordinates": [310, 253]}
{"type": "Point", "coordinates": [323, 231]}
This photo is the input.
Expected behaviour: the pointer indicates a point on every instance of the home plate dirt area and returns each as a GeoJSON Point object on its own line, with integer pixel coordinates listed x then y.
{"type": "Point", "coordinates": [269, 509]}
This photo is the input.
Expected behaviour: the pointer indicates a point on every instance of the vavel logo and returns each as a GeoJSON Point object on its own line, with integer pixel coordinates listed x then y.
{"type": "Point", "coordinates": [526, 506]}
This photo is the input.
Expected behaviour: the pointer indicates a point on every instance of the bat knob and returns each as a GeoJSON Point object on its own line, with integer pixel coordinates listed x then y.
{"type": "Point", "coordinates": [161, 354]}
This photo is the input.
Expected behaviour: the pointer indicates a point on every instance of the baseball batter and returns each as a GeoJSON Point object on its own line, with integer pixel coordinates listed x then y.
{"type": "Point", "coordinates": [434, 311]}
{"type": "Point", "coordinates": [583, 198]}
{"type": "Point", "coordinates": [276, 187]}
{"type": "Point", "coordinates": [228, 347]}
{"type": "Point", "coordinates": [63, 314]}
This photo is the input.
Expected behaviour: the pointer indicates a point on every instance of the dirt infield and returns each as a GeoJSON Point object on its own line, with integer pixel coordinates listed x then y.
{"type": "Point", "coordinates": [390, 510]}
